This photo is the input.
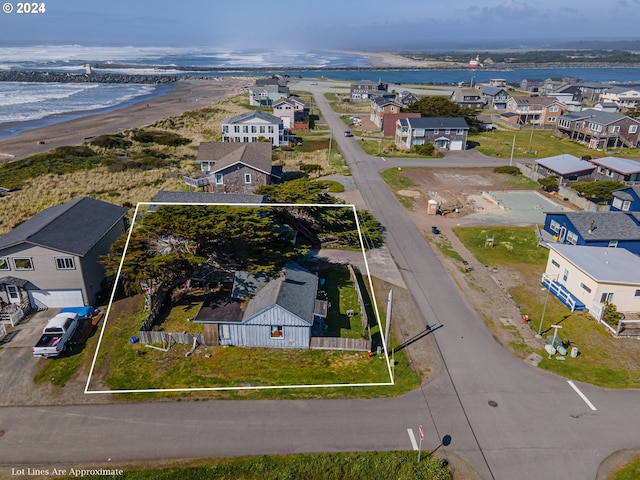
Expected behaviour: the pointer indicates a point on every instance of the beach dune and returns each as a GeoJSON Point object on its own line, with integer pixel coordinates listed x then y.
{"type": "Point", "coordinates": [187, 95]}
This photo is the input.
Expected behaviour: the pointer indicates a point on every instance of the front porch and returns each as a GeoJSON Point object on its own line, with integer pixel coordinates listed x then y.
{"type": "Point", "coordinates": [14, 300]}
{"type": "Point", "coordinates": [561, 293]}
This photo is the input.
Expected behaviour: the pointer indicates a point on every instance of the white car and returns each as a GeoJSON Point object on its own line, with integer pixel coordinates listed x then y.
{"type": "Point", "coordinates": [314, 83]}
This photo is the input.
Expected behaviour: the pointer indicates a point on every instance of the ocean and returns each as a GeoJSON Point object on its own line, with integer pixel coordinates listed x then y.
{"type": "Point", "coordinates": [25, 106]}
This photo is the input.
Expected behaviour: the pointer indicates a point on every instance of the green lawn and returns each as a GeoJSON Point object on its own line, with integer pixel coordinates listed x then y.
{"type": "Point", "coordinates": [543, 144]}
{"type": "Point", "coordinates": [629, 472]}
{"type": "Point", "coordinates": [387, 147]}
{"type": "Point", "coordinates": [603, 360]}
{"type": "Point", "coordinates": [401, 465]}
{"type": "Point", "coordinates": [341, 295]}
{"type": "Point", "coordinates": [397, 181]}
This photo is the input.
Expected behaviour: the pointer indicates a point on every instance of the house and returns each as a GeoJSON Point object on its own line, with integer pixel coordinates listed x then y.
{"type": "Point", "coordinates": [623, 97]}
{"type": "Point", "coordinates": [532, 85]}
{"type": "Point", "coordinates": [53, 259]}
{"type": "Point", "coordinates": [389, 122]}
{"type": "Point", "coordinates": [613, 168]}
{"type": "Point", "coordinates": [591, 91]}
{"type": "Point", "coordinates": [237, 168]}
{"type": "Point", "coordinates": [552, 85]}
{"type": "Point", "coordinates": [444, 133]}
{"type": "Point", "coordinates": [494, 98]}
{"type": "Point", "coordinates": [599, 129]}
{"type": "Point", "coordinates": [381, 106]}
{"type": "Point", "coordinates": [606, 107]}
{"type": "Point", "coordinates": [626, 199]}
{"type": "Point", "coordinates": [254, 125]}
{"type": "Point", "coordinates": [542, 111]}
{"type": "Point", "coordinates": [595, 229]}
{"type": "Point", "coordinates": [568, 168]}
{"type": "Point", "coordinates": [263, 312]}
{"type": "Point", "coordinates": [407, 98]}
{"type": "Point", "coordinates": [266, 91]}
{"type": "Point", "coordinates": [468, 98]}
{"type": "Point", "coordinates": [591, 277]}
{"type": "Point", "coordinates": [293, 112]}
{"type": "Point", "coordinates": [498, 82]}
{"type": "Point", "coordinates": [365, 89]}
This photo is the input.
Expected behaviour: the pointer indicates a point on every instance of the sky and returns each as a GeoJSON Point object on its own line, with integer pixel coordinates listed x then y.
{"type": "Point", "coordinates": [320, 24]}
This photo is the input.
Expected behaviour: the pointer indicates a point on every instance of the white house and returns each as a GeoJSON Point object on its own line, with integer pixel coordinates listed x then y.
{"type": "Point", "coordinates": [253, 126]}
{"type": "Point", "coordinates": [593, 276]}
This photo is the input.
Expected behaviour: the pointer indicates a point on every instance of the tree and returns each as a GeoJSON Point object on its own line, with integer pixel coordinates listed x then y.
{"type": "Point", "coordinates": [550, 183]}
{"type": "Point", "coordinates": [634, 112]}
{"type": "Point", "coordinates": [598, 191]}
{"type": "Point", "coordinates": [438, 106]}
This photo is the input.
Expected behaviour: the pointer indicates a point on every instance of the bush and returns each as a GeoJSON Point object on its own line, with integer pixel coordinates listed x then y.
{"type": "Point", "coordinates": [550, 183]}
{"type": "Point", "coordinates": [426, 149]}
{"type": "Point", "coordinates": [310, 167]}
{"type": "Point", "coordinates": [111, 141]}
{"type": "Point", "coordinates": [508, 169]}
{"type": "Point", "coordinates": [163, 138]}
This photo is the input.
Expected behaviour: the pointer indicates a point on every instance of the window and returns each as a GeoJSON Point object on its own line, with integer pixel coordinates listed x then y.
{"type": "Point", "coordinates": [247, 178]}
{"type": "Point", "coordinates": [572, 238]}
{"type": "Point", "coordinates": [554, 226]}
{"type": "Point", "coordinates": [585, 288]}
{"type": "Point", "coordinates": [551, 119]}
{"type": "Point", "coordinates": [447, 131]}
{"type": "Point", "coordinates": [435, 132]}
{"type": "Point", "coordinates": [205, 166]}
{"type": "Point", "coordinates": [602, 170]}
{"type": "Point", "coordinates": [277, 331]}
{"type": "Point", "coordinates": [236, 129]}
{"type": "Point", "coordinates": [262, 129]}
{"type": "Point", "coordinates": [254, 129]}
{"type": "Point", "coordinates": [614, 129]}
{"type": "Point", "coordinates": [219, 180]}
{"type": "Point", "coordinates": [225, 129]}
{"type": "Point", "coordinates": [637, 293]}
{"type": "Point", "coordinates": [565, 275]}
{"type": "Point", "coordinates": [606, 297]}
{"type": "Point", "coordinates": [4, 264]}
{"type": "Point", "coordinates": [613, 243]}
{"type": "Point", "coordinates": [245, 129]}
{"type": "Point", "coordinates": [633, 128]}
{"type": "Point", "coordinates": [555, 264]}
{"type": "Point", "coordinates": [270, 128]}
{"type": "Point", "coordinates": [554, 109]}
{"type": "Point", "coordinates": [65, 263]}
{"type": "Point", "coordinates": [617, 203]}
{"type": "Point", "coordinates": [460, 131]}
{"type": "Point", "coordinates": [224, 332]}
{"type": "Point", "coordinates": [23, 263]}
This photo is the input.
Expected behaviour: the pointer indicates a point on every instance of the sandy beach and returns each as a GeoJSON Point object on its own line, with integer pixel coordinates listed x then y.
{"type": "Point", "coordinates": [394, 60]}
{"type": "Point", "coordinates": [187, 95]}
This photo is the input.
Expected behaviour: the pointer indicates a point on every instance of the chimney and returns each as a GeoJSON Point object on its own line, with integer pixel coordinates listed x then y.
{"type": "Point", "coordinates": [593, 222]}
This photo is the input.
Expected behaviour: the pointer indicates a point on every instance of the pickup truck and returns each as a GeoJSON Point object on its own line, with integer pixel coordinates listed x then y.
{"type": "Point", "coordinates": [56, 335]}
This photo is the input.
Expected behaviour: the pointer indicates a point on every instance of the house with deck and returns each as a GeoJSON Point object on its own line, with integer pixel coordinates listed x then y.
{"type": "Point", "coordinates": [540, 111]}
{"type": "Point", "coordinates": [234, 168]}
{"type": "Point", "coordinates": [494, 98]}
{"type": "Point", "coordinates": [595, 229]}
{"type": "Point", "coordinates": [53, 259]}
{"type": "Point", "coordinates": [381, 106]}
{"type": "Point", "coordinates": [255, 126]}
{"type": "Point", "coordinates": [585, 277]}
{"type": "Point", "coordinates": [366, 90]}
{"type": "Point", "coordinates": [265, 312]}
{"type": "Point", "coordinates": [599, 130]}
{"type": "Point", "coordinates": [468, 98]}
{"type": "Point", "coordinates": [615, 168]}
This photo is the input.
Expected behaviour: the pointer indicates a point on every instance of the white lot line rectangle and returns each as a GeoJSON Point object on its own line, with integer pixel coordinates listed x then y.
{"type": "Point", "coordinates": [412, 437]}
{"type": "Point", "coordinates": [265, 387]}
{"type": "Point", "coordinates": [582, 395]}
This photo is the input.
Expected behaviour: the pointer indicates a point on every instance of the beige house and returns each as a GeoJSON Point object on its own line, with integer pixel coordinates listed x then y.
{"type": "Point", "coordinates": [542, 111]}
{"type": "Point", "coordinates": [588, 277]}
{"type": "Point", "coordinates": [381, 106]}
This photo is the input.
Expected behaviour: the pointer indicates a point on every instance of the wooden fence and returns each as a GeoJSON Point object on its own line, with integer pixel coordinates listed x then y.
{"type": "Point", "coordinates": [356, 284]}
{"type": "Point", "coordinates": [339, 343]}
{"type": "Point", "coordinates": [169, 337]}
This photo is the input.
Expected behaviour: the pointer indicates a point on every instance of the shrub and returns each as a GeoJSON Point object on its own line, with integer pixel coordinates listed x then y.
{"type": "Point", "coordinates": [111, 141]}
{"type": "Point", "coordinates": [549, 183]}
{"type": "Point", "coordinates": [163, 138]}
{"type": "Point", "coordinates": [426, 149]}
{"type": "Point", "coordinates": [310, 167]}
{"type": "Point", "coordinates": [508, 169]}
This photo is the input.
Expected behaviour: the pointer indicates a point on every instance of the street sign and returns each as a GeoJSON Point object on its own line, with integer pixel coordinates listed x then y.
{"type": "Point", "coordinates": [421, 433]}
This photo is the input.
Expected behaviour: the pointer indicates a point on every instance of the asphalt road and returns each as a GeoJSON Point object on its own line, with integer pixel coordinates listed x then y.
{"type": "Point", "coordinates": [539, 427]}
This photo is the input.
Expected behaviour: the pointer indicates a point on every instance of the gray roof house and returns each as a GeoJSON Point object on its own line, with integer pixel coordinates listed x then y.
{"type": "Point", "coordinates": [53, 259]}
{"type": "Point", "coordinates": [444, 133]}
{"type": "Point", "coordinates": [599, 129]}
{"type": "Point", "coordinates": [253, 126]}
{"type": "Point", "coordinates": [567, 167]}
{"type": "Point", "coordinates": [615, 168]}
{"type": "Point", "coordinates": [494, 97]}
{"type": "Point", "coordinates": [272, 313]}
{"type": "Point", "coordinates": [230, 167]}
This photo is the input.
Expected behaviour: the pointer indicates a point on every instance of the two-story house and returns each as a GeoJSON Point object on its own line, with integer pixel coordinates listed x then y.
{"type": "Point", "coordinates": [532, 85]}
{"type": "Point", "coordinates": [265, 91]}
{"type": "Point", "coordinates": [494, 98]}
{"type": "Point", "coordinates": [53, 259]}
{"type": "Point", "coordinates": [468, 98]}
{"type": "Point", "coordinates": [407, 98]}
{"type": "Point", "coordinates": [542, 111]}
{"type": "Point", "coordinates": [444, 133]}
{"type": "Point", "coordinates": [380, 107]}
{"type": "Point", "coordinates": [293, 112]}
{"type": "Point", "coordinates": [598, 129]}
{"type": "Point", "coordinates": [615, 168]}
{"type": "Point", "coordinates": [624, 98]}
{"type": "Point", "coordinates": [254, 126]}
{"type": "Point", "coordinates": [366, 89]}
{"type": "Point", "coordinates": [233, 167]}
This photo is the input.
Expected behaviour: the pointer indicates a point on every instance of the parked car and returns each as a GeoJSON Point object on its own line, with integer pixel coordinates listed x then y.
{"type": "Point", "coordinates": [56, 335]}
{"type": "Point", "coordinates": [347, 133]}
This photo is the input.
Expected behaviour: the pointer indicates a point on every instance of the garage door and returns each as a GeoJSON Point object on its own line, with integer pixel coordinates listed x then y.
{"type": "Point", "coordinates": [56, 298]}
{"type": "Point", "coordinates": [456, 145]}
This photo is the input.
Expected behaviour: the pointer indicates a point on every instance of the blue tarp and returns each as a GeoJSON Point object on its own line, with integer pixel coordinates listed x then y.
{"type": "Point", "coordinates": [82, 312]}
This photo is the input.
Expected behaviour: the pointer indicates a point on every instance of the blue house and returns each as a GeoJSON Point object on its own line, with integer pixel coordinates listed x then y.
{"type": "Point", "coordinates": [626, 199]}
{"type": "Point", "coordinates": [264, 312]}
{"type": "Point", "coordinates": [596, 229]}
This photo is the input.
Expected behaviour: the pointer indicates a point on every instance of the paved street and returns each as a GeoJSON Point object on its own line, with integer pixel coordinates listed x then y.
{"type": "Point", "coordinates": [505, 417]}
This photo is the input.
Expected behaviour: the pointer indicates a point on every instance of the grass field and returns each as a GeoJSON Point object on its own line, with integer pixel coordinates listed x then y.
{"type": "Point", "coordinates": [629, 472]}
{"type": "Point", "coordinates": [603, 359]}
{"type": "Point", "coordinates": [541, 145]}
{"type": "Point", "coordinates": [397, 181]}
{"type": "Point", "coordinates": [400, 465]}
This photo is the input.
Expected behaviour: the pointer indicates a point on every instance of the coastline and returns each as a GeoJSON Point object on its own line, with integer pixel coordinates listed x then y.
{"type": "Point", "coordinates": [140, 111]}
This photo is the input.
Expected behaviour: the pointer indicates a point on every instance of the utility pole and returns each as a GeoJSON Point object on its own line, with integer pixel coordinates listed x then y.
{"type": "Point", "coordinates": [329, 152]}
{"type": "Point", "coordinates": [513, 146]}
{"type": "Point", "coordinates": [387, 326]}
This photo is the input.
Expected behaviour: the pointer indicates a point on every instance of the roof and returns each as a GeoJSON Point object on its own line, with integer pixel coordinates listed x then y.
{"type": "Point", "coordinates": [18, 282]}
{"type": "Point", "coordinates": [624, 166]}
{"type": "Point", "coordinates": [432, 123]}
{"type": "Point", "coordinates": [606, 225]}
{"type": "Point", "coordinates": [383, 101]}
{"type": "Point", "coordinates": [73, 227]}
{"type": "Point", "coordinates": [167, 196]}
{"type": "Point", "coordinates": [491, 90]}
{"type": "Point", "coordinates": [295, 291]}
{"type": "Point", "coordinates": [565, 164]}
{"type": "Point", "coordinates": [624, 194]}
{"type": "Point", "coordinates": [543, 101]}
{"type": "Point", "coordinates": [616, 265]}
{"type": "Point", "coordinates": [245, 285]}
{"type": "Point", "coordinates": [596, 116]}
{"type": "Point", "coordinates": [256, 155]}
{"type": "Point", "coordinates": [251, 115]}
